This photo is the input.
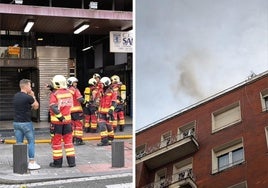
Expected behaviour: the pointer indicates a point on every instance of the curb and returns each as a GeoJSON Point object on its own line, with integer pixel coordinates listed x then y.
{"type": "Point", "coordinates": [42, 141]}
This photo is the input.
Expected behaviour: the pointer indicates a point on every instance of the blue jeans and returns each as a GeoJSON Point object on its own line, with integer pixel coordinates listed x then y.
{"type": "Point", "coordinates": [26, 129]}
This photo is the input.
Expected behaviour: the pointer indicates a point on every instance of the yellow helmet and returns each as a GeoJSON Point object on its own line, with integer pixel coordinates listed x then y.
{"type": "Point", "coordinates": [115, 79]}
{"type": "Point", "coordinates": [59, 81]}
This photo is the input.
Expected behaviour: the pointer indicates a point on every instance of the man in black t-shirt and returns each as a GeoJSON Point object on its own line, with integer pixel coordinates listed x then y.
{"type": "Point", "coordinates": [24, 101]}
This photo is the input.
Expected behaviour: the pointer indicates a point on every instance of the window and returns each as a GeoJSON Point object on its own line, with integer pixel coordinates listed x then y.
{"type": "Point", "coordinates": [182, 170]}
{"type": "Point", "coordinates": [186, 130]}
{"type": "Point", "coordinates": [231, 158]}
{"type": "Point", "coordinates": [140, 151]}
{"type": "Point", "coordinates": [160, 178]}
{"type": "Point", "coordinates": [266, 134]}
{"type": "Point", "coordinates": [240, 185]}
{"type": "Point", "coordinates": [165, 139]}
{"type": "Point", "coordinates": [228, 155]}
{"type": "Point", "coordinates": [264, 100]}
{"type": "Point", "coordinates": [226, 116]}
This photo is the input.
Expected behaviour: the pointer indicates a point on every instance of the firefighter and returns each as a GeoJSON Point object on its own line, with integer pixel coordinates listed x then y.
{"type": "Point", "coordinates": [119, 112]}
{"type": "Point", "coordinates": [99, 94]}
{"type": "Point", "coordinates": [76, 111]}
{"type": "Point", "coordinates": [60, 103]}
{"type": "Point", "coordinates": [105, 113]}
{"type": "Point", "coordinates": [90, 95]}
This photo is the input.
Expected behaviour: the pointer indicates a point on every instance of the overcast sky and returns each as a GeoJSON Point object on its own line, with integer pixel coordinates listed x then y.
{"type": "Point", "coordinates": [188, 50]}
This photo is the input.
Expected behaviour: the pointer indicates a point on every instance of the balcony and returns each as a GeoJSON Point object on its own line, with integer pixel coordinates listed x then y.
{"type": "Point", "coordinates": [169, 150]}
{"type": "Point", "coordinates": [182, 179]}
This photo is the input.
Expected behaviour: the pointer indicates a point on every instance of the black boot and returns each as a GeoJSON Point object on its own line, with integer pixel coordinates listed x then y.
{"type": "Point", "coordinates": [87, 130]}
{"type": "Point", "coordinates": [71, 161]}
{"type": "Point", "coordinates": [79, 142]}
{"type": "Point", "coordinates": [121, 128]}
{"type": "Point", "coordinates": [57, 163]}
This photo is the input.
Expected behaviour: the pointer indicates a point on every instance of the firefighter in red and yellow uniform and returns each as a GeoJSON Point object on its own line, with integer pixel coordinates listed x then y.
{"type": "Point", "coordinates": [60, 103]}
{"type": "Point", "coordinates": [91, 108]}
{"type": "Point", "coordinates": [105, 114]}
{"type": "Point", "coordinates": [119, 112]}
{"type": "Point", "coordinates": [76, 111]}
{"type": "Point", "coordinates": [99, 86]}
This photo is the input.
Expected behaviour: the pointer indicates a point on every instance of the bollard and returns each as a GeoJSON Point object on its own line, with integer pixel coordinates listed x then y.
{"type": "Point", "coordinates": [20, 158]}
{"type": "Point", "coordinates": [118, 158]}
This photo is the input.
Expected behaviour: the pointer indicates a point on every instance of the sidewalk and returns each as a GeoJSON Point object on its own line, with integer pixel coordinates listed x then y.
{"type": "Point", "coordinates": [91, 160]}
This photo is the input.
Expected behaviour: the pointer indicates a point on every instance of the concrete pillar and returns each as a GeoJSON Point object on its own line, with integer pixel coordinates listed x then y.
{"type": "Point", "coordinates": [20, 164]}
{"type": "Point", "coordinates": [118, 156]}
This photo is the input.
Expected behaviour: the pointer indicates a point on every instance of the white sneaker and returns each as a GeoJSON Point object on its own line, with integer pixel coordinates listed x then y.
{"type": "Point", "coordinates": [33, 166]}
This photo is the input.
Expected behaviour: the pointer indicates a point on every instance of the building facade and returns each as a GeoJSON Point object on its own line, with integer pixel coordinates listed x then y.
{"type": "Point", "coordinates": [52, 46]}
{"type": "Point", "coordinates": [219, 142]}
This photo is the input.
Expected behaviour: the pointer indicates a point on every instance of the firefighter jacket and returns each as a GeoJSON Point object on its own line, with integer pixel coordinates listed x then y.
{"type": "Point", "coordinates": [90, 95]}
{"type": "Point", "coordinates": [63, 99]}
{"type": "Point", "coordinates": [77, 100]}
{"type": "Point", "coordinates": [108, 99]}
{"type": "Point", "coordinates": [121, 92]}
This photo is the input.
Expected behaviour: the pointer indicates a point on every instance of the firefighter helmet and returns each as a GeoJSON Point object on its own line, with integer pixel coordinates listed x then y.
{"type": "Point", "coordinates": [92, 81]}
{"type": "Point", "coordinates": [59, 81]}
{"type": "Point", "coordinates": [115, 79]}
{"type": "Point", "coordinates": [71, 80]}
{"type": "Point", "coordinates": [106, 81]}
{"type": "Point", "coordinates": [96, 75]}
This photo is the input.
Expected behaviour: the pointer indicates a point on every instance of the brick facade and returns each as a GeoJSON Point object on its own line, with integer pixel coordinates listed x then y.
{"type": "Point", "coordinates": [251, 130]}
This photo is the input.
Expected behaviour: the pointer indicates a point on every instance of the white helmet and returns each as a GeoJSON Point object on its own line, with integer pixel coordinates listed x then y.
{"type": "Point", "coordinates": [106, 81]}
{"type": "Point", "coordinates": [115, 79]}
{"type": "Point", "coordinates": [71, 80]}
{"type": "Point", "coordinates": [59, 81]}
{"type": "Point", "coordinates": [96, 75]}
{"type": "Point", "coordinates": [92, 81]}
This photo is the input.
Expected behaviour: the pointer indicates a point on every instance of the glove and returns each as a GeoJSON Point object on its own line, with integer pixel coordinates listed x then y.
{"type": "Point", "coordinates": [61, 118]}
{"type": "Point", "coordinates": [111, 111]}
{"type": "Point", "coordinates": [52, 130]}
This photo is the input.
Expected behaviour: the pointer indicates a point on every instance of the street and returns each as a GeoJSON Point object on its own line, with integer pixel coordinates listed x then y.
{"type": "Point", "coordinates": [105, 181]}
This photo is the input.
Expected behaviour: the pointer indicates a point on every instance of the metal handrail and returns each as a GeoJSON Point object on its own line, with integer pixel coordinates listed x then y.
{"type": "Point", "coordinates": [170, 140]}
{"type": "Point", "coordinates": [174, 178]}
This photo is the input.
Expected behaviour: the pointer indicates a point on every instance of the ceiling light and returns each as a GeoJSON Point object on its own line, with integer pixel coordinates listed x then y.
{"type": "Point", "coordinates": [19, 2]}
{"type": "Point", "coordinates": [87, 48]}
{"type": "Point", "coordinates": [81, 28]}
{"type": "Point", "coordinates": [28, 26]}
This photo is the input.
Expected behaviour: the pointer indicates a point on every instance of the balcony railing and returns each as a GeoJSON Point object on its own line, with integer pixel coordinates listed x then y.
{"type": "Point", "coordinates": [168, 150]}
{"type": "Point", "coordinates": [183, 178]}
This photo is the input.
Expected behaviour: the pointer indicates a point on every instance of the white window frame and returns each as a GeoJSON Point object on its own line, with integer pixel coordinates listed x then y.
{"type": "Point", "coordinates": [266, 135]}
{"type": "Point", "coordinates": [181, 166]}
{"type": "Point", "coordinates": [159, 177]}
{"type": "Point", "coordinates": [140, 150]}
{"type": "Point", "coordinates": [240, 185]}
{"type": "Point", "coordinates": [227, 148]}
{"type": "Point", "coordinates": [187, 130]}
{"type": "Point", "coordinates": [264, 98]}
{"type": "Point", "coordinates": [224, 112]}
{"type": "Point", "coordinates": [165, 139]}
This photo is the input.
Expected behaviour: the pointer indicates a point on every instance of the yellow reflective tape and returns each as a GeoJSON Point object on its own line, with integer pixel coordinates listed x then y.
{"type": "Point", "coordinates": [69, 149]}
{"type": "Point", "coordinates": [64, 95]}
{"type": "Point", "coordinates": [58, 115]}
{"type": "Point", "coordinates": [104, 133]}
